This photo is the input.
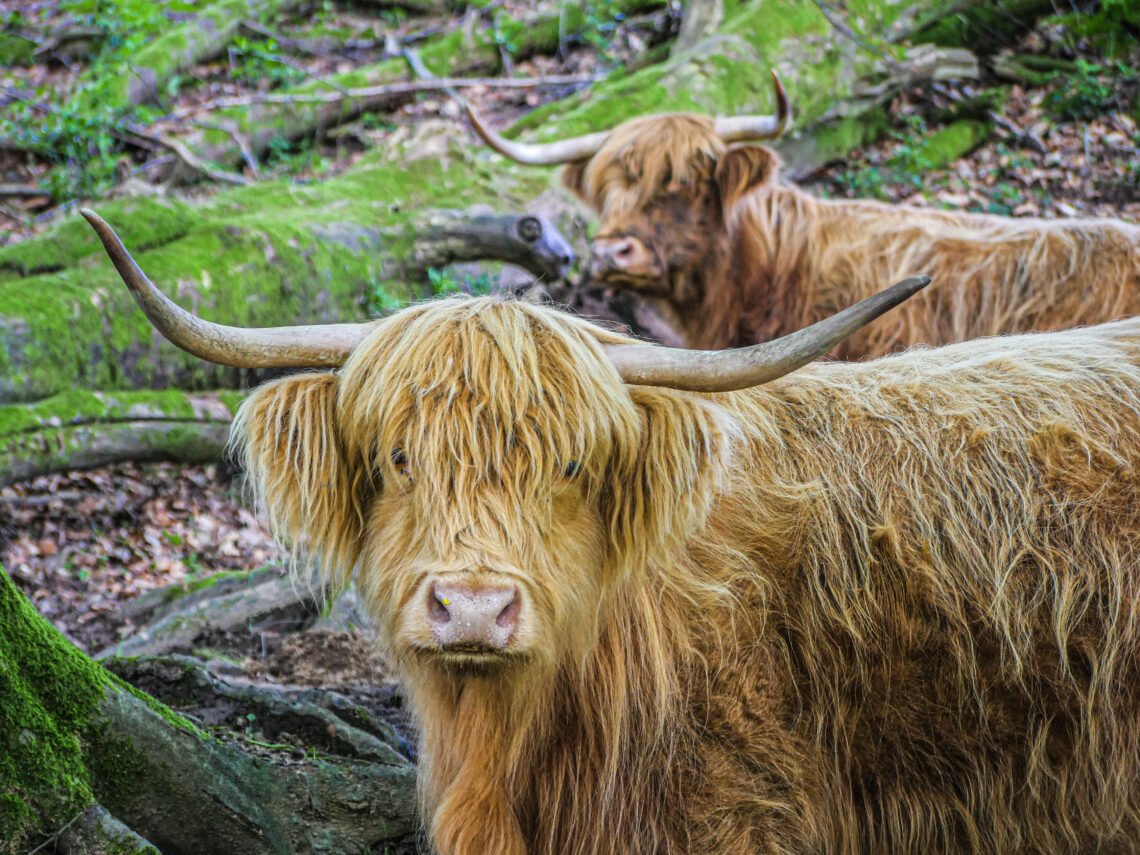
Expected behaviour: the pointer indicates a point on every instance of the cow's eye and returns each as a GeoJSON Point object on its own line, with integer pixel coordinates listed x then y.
{"type": "Point", "coordinates": [572, 468]}
{"type": "Point", "coordinates": [400, 461]}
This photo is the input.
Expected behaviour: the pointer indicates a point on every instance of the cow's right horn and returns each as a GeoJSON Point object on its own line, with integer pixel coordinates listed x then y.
{"type": "Point", "coordinates": [325, 345]}
{"type": "Point", "coordinates": [743, 367]}
{"type": "Point", "coordinates": [539, 154]}
{"type": "Point", "coordinates": [753, 128]}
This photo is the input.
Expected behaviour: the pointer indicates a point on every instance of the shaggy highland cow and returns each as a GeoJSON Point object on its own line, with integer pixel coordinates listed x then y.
{"type": "Point", "coordinates": [873, 607]}
{"type": "Point", "coordinates": [730, 256]}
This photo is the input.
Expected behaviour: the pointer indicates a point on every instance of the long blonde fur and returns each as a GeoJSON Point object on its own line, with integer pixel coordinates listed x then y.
{"type": "Point", "coordinates": [881, 607]}
{"type": "Point", "coordinates": [748, 259]}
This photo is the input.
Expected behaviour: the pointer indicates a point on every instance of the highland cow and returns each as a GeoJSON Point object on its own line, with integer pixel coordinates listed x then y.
{"type": "Point", "coordinates": [730, 256]}
{"type": "Point", "coordinates": [866, 607]}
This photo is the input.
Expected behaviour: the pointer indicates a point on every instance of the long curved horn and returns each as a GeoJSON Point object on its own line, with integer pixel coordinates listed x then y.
{"type": "Point", "coordinates": [728, 128]}
{"type": "Point", "coordinates": [740, 368]}
{"type": "Point", "coordinates": [539, 154]}
{"type": "Point", "coordinates": [326, 345]}
{"type": "Point", "coordinates": [750, 128]}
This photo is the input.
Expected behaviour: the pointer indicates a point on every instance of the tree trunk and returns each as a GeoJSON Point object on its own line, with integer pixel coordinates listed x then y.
{"type": "Point", "coordinates": [332, 260]}
{"type": "Point", "coordinates": [77, 736]}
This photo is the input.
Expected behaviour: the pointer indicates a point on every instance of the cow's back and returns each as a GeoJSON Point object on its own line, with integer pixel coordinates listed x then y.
{"type": "Point", "coordinates": [954, 597]}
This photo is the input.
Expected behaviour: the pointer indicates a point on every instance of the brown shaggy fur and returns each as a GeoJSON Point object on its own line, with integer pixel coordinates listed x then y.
{"type": "Point", "coordinates": [749, 259]}
{"type": "Point", "coordinates": [867, 608]}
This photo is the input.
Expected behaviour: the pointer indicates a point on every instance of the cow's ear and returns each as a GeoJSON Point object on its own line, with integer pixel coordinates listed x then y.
{"type": "Point", "coordinates": [574, 178]}
{"type": "Point", "coordinates": [742, 169]}
{"type": "Point", "coordinates": [665, 492]}
{"type": "Point", "coordinates": [286, 439]}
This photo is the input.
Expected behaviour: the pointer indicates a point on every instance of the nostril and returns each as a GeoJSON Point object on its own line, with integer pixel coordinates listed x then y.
{"type": "Point", "coordinates": [509, 616]}
{"type": "Point", "coordinates": [438, 612]}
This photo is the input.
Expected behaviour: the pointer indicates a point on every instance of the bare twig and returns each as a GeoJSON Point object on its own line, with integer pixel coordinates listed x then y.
{"type": "Point", "coordinates": [21, 191]}
{"type": "Point", "coordinates": [441, 84]}
{"type": "Point", "coordinates": [40, 501]}
{"type": "Point", "coordinates": [14, 215]}
{"type": "Point", "coordinates": [285, 41]}
{"type": "Point", "coordinates": [284, 60]}
{"type": "Point", "coordinates": [58, 832]}
{"type": "Point", "coordinates": [851, 34]}
{"type": "Point", "coordinates": [196, 163]}
{"type": "Point", "coordinates": [240, 139]}
{"type": "Point", "coordinates": [422, 72]}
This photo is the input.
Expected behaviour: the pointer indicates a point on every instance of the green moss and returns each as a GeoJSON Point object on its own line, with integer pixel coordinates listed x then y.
{"type": "Point", "coordinates": [149, 222]}
{"type": "Point", "coordinates": [15, 50]}
{"type": "Point", "coordinates": [730, 75]}
{"type": "Point", "coordinates": [48, 694]}
{"type": "Point", "coordinates": [834, 139]}
{"type": "Point", "coordinates": [78, 406]}
{"type": "Point", "coordinates": [947, 144]}
{"type": "Point", "coordinates": [981, 27]}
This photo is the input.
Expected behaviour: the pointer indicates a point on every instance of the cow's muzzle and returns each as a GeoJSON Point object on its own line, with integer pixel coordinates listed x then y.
{"type": "Point", "coordinates": [472, 619]}
{"type": "Point", "coordinates": [624, 257]}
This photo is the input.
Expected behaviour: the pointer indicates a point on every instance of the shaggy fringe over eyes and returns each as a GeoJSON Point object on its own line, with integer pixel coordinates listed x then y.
{"type": "Point", "coordinates": [486, 396]}
{"type": "Point", "coordinates": [287, 439]}
{"type": "Point", "coordinates": [633, 165]}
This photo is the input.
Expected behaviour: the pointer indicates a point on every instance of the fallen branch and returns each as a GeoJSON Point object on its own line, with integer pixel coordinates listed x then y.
{"type": "Point", "coordinates": [409, 87]}
{"type": "Point", "coordinates": [22, 191]}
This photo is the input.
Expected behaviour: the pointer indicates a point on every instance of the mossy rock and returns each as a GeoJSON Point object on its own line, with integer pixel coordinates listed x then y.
{"type": "Point", "coordinates": [149, 222]}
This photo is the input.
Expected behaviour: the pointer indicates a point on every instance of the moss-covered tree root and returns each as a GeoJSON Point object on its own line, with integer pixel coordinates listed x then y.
{"type": "Point", "coordinates": [83, 430]}
{"type": "Point", "coordinates": [75, 736]}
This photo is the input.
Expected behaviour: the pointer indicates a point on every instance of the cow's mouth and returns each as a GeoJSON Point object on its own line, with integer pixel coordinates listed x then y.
{"type": "Point", "coordinates": [473, 659]}
{"type": "Point", "coordinates": [649, 284]}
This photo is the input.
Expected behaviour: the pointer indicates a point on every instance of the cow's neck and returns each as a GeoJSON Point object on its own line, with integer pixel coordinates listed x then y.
{"type": "Point", "coordinates": [708, 300]}
{"type": "Point", "coordinates": [775, 280]}
{"type": "Point", "coordinates": [587, 740]}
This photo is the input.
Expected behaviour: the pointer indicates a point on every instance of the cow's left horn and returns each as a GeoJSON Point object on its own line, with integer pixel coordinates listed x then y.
{"type": "Point", "coordinates": [539, 154]}
{"type": "Point", "coordinates": [326, 345]}
{"type": "Point", "coordinates": [740, 368]}
{"type": "Point", "coordinates": [751, 128]}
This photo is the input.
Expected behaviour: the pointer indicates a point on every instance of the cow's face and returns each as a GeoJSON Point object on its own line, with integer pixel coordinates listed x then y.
{"type": "Point", "coordinates": [664, 188]}
{"type": "Point", "coordinates": [491, 478]}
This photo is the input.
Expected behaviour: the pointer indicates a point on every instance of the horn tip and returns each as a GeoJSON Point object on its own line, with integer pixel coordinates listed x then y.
{"type": "Point", "coordinates": [783, 108]}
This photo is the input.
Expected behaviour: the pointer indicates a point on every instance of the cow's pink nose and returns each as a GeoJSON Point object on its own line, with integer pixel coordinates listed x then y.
{"type": "Point", "coordinates": [625, 254]}
{"type": "Point", "coordinates": [477, 618]}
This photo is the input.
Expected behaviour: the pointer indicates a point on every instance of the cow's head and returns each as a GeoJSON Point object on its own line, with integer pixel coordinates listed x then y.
{"type": "Point", "coordinates": [491, 471]}
{"type": "Point", "coordinates": [664, 188]}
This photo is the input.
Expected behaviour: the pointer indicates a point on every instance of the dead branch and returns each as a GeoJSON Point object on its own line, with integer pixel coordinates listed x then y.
{"type": "Point", "coordinates": [441, 84]}
{"type": "Point", "coordinates": [22, 191]}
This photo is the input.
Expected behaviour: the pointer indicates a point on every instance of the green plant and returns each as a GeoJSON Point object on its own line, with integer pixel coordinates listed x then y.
{"type": "Point", "coordinates": [862, 181]}
{"type": "Point", "coordinates": [378, 302]}
{"type": "Point", "coordinates": [599, 25]}
{"type": "Point", "coordinates": [442, 283]}
{"type": "Point", "coordinates": [262, 60]}
{"type": "Point", "coordinates": [1088, 92]}
{"type": "Point", "coordinates": [82, 134]}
